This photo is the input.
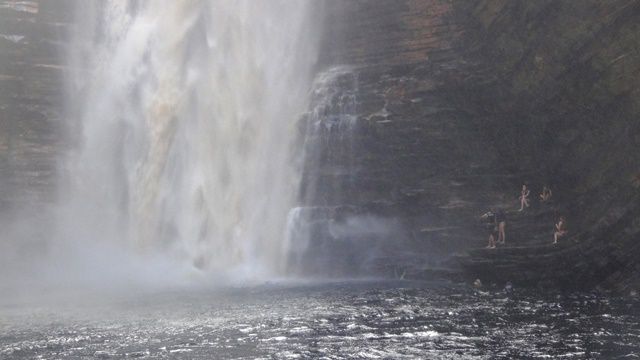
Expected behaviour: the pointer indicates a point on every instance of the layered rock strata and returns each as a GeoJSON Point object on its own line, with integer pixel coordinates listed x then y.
{"type": "Point", "coordinates": [32, 37]}
{"type": "Point", "coordinates": [459, 104]}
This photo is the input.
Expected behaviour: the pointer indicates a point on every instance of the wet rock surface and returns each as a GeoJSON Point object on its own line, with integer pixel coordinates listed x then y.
{"type": "Point", "coordinates": [570, 106]}
{"type": "Point", "coordinates": [32, 37]}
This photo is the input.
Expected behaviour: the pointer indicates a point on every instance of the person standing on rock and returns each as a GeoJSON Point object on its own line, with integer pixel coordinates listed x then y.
{"type": "Point", "coordinates": [501, 220]}
{"type": "Point", "coordinates": [560, 230]}
{"type": "Point", "coordinates": [492, 228]}
{"type": "Point", "coordinates": [524, 197]}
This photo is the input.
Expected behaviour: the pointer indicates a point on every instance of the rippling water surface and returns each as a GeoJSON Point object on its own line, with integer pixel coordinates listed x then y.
{"type": "Point", "coordinates": [331, 321]}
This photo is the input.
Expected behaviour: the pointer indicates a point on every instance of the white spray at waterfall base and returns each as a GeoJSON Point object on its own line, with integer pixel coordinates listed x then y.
{"type": "Point", "coordinates": [186, 121]}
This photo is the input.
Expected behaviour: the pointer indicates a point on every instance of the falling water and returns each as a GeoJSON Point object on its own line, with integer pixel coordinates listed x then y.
{"type": "Point", "coordinates": [329, 141]}
{"type": "Point", "coordinates": [188, 113]}
{"type": "Point", "coordinates": [329, 165]}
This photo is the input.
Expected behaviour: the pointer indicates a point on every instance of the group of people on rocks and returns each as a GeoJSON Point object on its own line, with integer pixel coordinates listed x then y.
{"type": "Point", "coordinates": [496, 221]}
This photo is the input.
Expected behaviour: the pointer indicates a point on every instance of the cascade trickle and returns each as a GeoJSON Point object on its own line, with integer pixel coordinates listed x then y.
{"type": "Point", "coordinates": [330, 166]}
{"type": "Point", "coordinates": [188, 113]}
{"type": "Point", "coordinates": [329, 141]}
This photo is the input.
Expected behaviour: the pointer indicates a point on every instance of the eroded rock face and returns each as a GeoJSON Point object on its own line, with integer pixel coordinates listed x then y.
{"type": "Point", "coordinates": [458, 104]}
{"type": "Point", "coordinates": [32, 37]}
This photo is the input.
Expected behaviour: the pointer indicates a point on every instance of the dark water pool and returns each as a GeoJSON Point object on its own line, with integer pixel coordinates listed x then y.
{"type": "Point", "coordinates": [347, 320]}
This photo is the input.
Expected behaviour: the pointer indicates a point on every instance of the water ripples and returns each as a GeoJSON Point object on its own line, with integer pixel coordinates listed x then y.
{"type": "Point", "coordinates": [331, 321]}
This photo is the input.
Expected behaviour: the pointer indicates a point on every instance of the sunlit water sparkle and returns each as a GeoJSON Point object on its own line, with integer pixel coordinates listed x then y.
{"type": "Point", "coordinates": [333, 321]}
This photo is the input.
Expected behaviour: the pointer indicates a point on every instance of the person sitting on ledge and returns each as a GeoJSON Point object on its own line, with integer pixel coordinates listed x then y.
{"type": "Point", "coordinates": [560, 230]}
{"type": "Point", "coordinates": [524, 197]}
{"type": "Point", "coordinates": [546, 194]}
{"type": "Point", "coordinates": [492, 228]}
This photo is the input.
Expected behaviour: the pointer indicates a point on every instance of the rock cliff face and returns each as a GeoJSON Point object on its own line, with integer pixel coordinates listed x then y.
{"type": "Point", "coordinates": [31, 88]}
{"type": "Point", "coordinates": [460, 103]}
{"type": "Point", "coordinates": [566, 90]}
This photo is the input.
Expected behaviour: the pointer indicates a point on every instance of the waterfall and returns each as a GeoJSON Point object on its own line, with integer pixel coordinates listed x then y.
{"type": "Point", "coordinates": [186, 113]}
{"type": "Point", "coordinates": [330, 137]}
{"type": "Point", "coordinates": [329, 140]}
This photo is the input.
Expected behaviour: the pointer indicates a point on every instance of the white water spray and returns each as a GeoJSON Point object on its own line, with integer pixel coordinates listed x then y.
{"type": "Point", "coordinates": [188, 114]}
